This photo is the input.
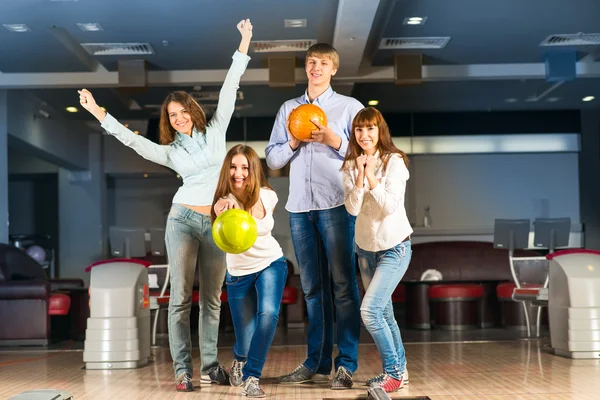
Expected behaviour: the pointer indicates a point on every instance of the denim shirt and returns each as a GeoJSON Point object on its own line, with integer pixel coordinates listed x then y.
{"type": "Point", "coordinates": [315, 176]}
{"type": "Point", "coordinates": [197, 159]}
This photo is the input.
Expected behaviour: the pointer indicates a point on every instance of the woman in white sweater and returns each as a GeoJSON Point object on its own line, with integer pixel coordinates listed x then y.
{"type": "Point", "coordinates": [374, 175]}
{"type": "Point", "coordinates": [255, 278]}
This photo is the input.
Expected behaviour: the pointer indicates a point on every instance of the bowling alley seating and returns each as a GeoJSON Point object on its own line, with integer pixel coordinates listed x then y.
{"type": "Point", "coordinates": [460, 263]}
{"type": "Point", "coordinates": [31, 305]}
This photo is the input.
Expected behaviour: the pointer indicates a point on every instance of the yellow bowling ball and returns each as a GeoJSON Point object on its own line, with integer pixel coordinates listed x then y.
{"type": "Point", "coordinates": [235, 231]}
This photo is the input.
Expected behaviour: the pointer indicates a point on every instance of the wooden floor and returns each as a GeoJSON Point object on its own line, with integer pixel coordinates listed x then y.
{"type": "Point", "coordinates": [517, 369]}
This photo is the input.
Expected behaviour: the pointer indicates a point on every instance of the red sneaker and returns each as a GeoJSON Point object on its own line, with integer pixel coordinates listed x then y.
{"type": "Point", "coordinates": [183, 383]}
{"type": "Point", "coordinates": [390, 384]}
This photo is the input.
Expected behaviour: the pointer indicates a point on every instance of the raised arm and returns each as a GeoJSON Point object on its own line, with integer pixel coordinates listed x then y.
{"type": "Point", "coordinates": [390, 195]}
{"type": "Point", "coordinates": [354, 191]}
{"type": "Point", "coordinates": [144, 147]}
{"type": "Point", "coordinates": [228, 93]}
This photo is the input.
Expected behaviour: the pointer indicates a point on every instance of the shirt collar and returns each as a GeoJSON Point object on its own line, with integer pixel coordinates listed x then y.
{"type": "Point", "coordinates": [321, 99]}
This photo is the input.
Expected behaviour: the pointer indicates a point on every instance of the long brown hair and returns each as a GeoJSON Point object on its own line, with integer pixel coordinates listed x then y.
{"type": "Point", "coordinates": [166, 130]}
{"type": "Point", "coordinates": [366, 117]}
{"type": "Point", "coordinates": [256, 178]}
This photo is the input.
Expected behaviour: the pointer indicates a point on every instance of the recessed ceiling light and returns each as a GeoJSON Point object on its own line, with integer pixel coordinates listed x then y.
{"type": "Point", "coordinates": [72, 109]}
{"type": "Point", "coordinates": [17, 27]}
{"type": "Point", "coordinates": [294, 23]}
{"type": "Point", "coordinates": [145, 175]}
{"type": "Point", "coordinates": [552, 99]}
{"type": "Point", "coordinates": [511, 100]}
{"type": "Point", "coordinates": [415, 20]}
{"type": "Point", "coordinates": [103, 109]}
{"type": "Point", "coordinates": [588, 98]}
{"type": "Point", "coordinates": [373, 102]}
{"type": "Point", "coordinates": [90, 27]}
{"type": "Point", "coordinates": [136, 132]}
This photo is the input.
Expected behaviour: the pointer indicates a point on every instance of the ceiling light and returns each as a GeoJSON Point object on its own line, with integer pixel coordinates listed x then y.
{"type": "Point", "coordinates": [294, 23]}
{"type": "Point", "coordinates": [72, 109]}
{"type": "Point", "coordinates": [373, 102]}
{"type": "Point", "coordinates": [511, 100]}
{"type": "Point", "coordinates": [414, 21]}
{"type": "Point", "coordinates": [588, 98]}
{"type": "Point", "coordinates": [103, 109]}
{"type": "Point", "coordinates": [145, 175]}
{"type": "Point", "coordinates": [136, 132]}
{"type": "Point", "coordinates": [90, 27]}
{"type": "Point", "coordinates": [17, 27]}
{"type": "Point", "coordinates": [552, 99]}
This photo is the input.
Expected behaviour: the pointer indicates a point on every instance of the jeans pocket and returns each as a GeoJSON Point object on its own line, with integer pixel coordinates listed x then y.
{"type": "Point", "coordinates": [230, 279]}
{"type": "Point", "coordinates": [400, 250]}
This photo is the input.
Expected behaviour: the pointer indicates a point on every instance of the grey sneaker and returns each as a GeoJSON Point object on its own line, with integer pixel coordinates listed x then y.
{"type": "Point", "coordinates": [252, 388]}
{"type": "Point", "coordinates": [235, 373]}
{"type": "Point", "coordinates": [217, 375]}
{"type": "Point", "coordinates": [300, 375]}
{"type": "Point", "coordinates": [342, 379]}
{"type": "Point", "coordinates": [405, 376]}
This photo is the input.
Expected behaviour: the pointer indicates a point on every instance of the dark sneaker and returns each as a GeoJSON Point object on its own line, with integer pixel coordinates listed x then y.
{"type": "Point", "coordinates": [382, 375]}
{"type": "Point", "coordinates": [183, 383]}
{"type": "Point", "coordinates": [342, 379]}
{"type": "Point", "coordinates": [300, 375]}
{"type": "Point", "coordinates": [252, 388]}
{"type": "Point", "coordinates": [390, 384]}
{"type": "Point", "coordinates": [218, 375]}
{"type": "Point", "coordinates": [376, 379]}
{"type": "Point", "coordinates": [235, 373]}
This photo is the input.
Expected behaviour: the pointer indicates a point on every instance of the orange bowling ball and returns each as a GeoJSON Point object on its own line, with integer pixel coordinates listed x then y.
{"type": "Point", "coordinates": [300, 124]}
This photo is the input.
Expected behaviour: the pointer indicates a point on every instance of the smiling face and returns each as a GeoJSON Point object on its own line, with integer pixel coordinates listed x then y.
{"type": "Point", "coordinates": [367, 138]}
{"type": "Point", "coordinates": [180, 118]}
{"type": "Point", "coordinates": [238, 171]}
{"type": "Point", "coordinates": [319, 70]}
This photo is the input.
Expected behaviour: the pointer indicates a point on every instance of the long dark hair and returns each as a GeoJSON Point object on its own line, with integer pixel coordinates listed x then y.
{"type": "Point", "coordinates": [256, 179]}
{"type": "Point", "coordinates": [166, 130]}
{"type": "Point", "coordinates": [366, 117]}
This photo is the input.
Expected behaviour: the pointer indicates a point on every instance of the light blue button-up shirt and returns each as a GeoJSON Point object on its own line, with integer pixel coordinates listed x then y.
{"type": "Point", "coordinates": [197, 159]}
{"type": "Point", "coordinates": [315, 177]}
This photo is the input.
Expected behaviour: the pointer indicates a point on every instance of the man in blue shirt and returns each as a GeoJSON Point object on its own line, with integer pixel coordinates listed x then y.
{"type": "Point", "coordinates": [322, 230]}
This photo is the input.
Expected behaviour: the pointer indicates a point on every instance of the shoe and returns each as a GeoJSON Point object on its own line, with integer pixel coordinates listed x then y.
{"type": "Point", "coordinates": [218, 375]}
{"type": "Point", "coordinates": [183, 383]}
{"type": "Point", "coordinates": [342, 379]}
{"type": "Point", "coordinates": [380, 377]}
{"type": "Point", "coordinates": [300, 375]}
{"type": "Point", "coordinates": [390, 384]}
{"type": "Point", "coordinates": [252, 388]}
{"type": "Point", "coordinates": [376, 379]}
{"type": "Point", "coordinates": [235, 373]}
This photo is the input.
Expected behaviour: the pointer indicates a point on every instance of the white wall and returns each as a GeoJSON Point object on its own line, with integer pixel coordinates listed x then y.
{"type": "Point", "coordinates": [135, 202]}
{"type": "Point", "coordinates": [472, 190]}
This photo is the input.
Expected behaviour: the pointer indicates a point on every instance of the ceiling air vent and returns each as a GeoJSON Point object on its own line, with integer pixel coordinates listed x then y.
{"type": "Point", "coordinates": [278, 46]}
{"type": "Point", "coordinates": [416, 43]}
{"type": "Point", "coordinates": [118, 49]}
{"type": "Point", "coordinates": [574, 39]}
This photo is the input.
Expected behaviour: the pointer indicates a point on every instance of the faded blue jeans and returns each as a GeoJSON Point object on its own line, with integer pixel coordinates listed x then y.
{"type": "Point", "coordinates": [189, 246]}
{"type": "Point", "coordinates": [324, 246]}
{"type": "Point", "coordinates": [254, 300]}
{"type": "Point", "coordinates": [381, 272]}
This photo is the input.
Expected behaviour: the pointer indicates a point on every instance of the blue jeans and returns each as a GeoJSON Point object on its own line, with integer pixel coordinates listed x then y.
{"type": "Point", "coordinates": [254, 301]}
{"type": "Point", "coordinates": [324, 246]}
{"type": "Point", "coordinates": [381, 272]}
{"type": "Point", "coordinates": [189, 246]}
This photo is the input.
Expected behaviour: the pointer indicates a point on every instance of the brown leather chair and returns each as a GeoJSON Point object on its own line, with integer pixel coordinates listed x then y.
{"type": "Point", "coordinates": [26, 298]}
